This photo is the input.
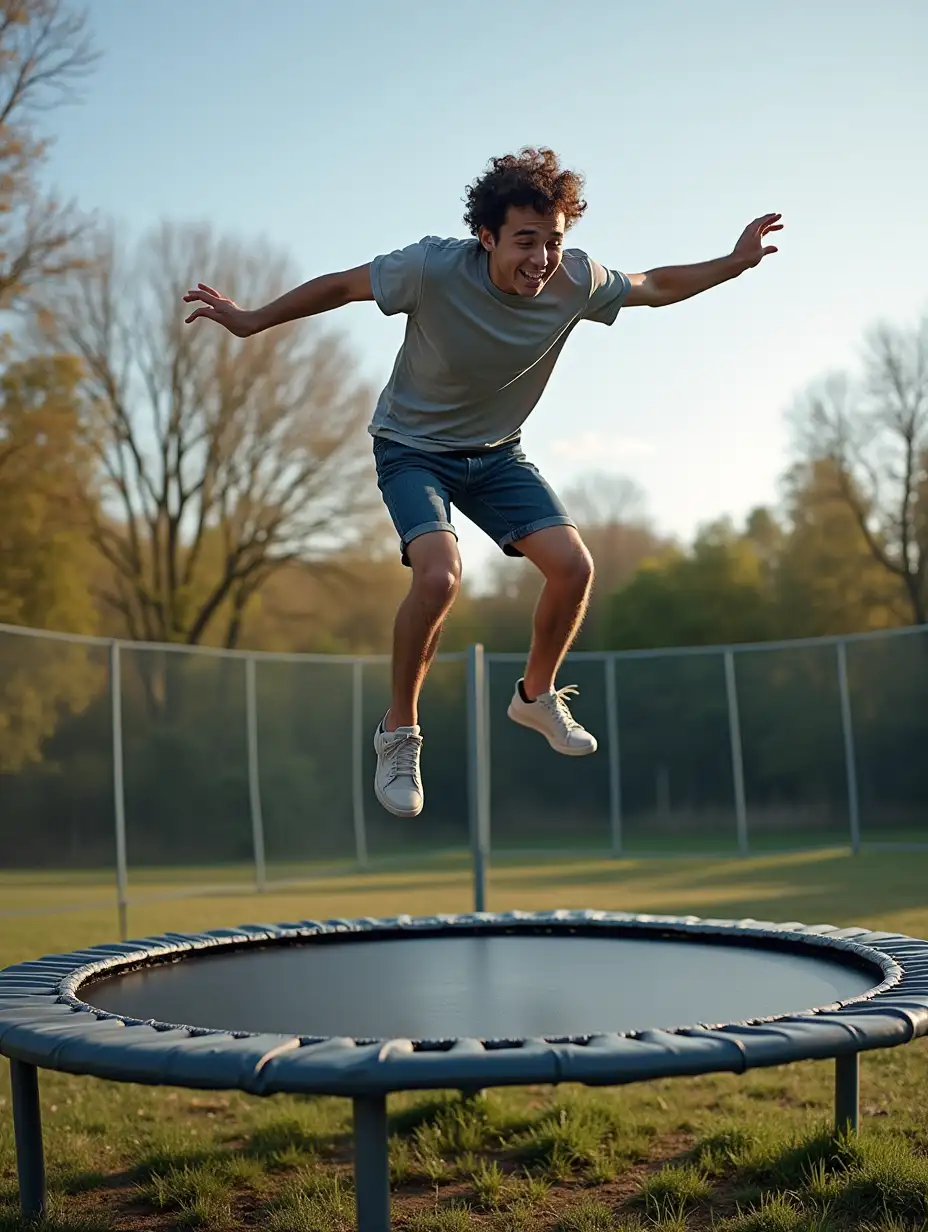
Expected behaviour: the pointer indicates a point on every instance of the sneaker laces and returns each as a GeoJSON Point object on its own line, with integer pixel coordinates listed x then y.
{"type": "Point", "coordinates": [405, 756]}
{"type": "Point", "coordinates": [556, 703]}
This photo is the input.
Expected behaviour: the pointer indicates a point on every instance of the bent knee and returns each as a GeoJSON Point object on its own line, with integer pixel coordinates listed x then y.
{"type": "Point", "coordinates": [436, 568]}
{"type": "Point", "coordinates": [438, 585]}
{"type": "Point", "coordinates": [574, 571]}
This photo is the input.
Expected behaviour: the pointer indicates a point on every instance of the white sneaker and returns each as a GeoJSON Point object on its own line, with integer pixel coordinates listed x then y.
{"type": "Point", "coordinates": [550, 715]}
{"type": "Point", "coordinates": [398, 782]}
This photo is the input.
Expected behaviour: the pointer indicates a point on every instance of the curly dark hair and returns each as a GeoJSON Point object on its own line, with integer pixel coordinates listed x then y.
{"type": "Point", "coordinates": [530, 178]}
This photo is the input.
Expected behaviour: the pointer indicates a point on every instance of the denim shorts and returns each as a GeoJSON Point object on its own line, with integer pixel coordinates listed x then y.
{"type": "Point", "coordinates": [497, 489]}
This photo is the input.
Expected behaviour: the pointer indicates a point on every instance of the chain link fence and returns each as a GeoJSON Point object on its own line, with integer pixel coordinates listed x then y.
{"type": "Point", "coordinates": [162, 770]}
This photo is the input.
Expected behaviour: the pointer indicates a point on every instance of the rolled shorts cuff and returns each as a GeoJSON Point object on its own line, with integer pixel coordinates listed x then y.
{"type": "Point", "coordinates": [522, 532]}
{"type": "Point", "coordinates": [424, 528]}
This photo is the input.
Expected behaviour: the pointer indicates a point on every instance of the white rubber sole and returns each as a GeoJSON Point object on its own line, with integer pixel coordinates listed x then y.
{"type": "Point", "coordinates": [519, 717]}
{"type": "Point", "coordinates": [391, 808]}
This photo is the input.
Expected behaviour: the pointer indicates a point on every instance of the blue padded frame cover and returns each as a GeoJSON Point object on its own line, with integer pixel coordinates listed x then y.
{"type": "Point", "coordinates": [44, 1022]}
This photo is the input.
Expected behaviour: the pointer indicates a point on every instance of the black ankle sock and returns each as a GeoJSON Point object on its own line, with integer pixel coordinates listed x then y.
{"type": "Point", "coordinates": [522, 693]}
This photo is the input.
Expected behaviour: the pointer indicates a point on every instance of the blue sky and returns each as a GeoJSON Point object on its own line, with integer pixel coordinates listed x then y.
{"type": "Point", "coordinates": [338, 131]}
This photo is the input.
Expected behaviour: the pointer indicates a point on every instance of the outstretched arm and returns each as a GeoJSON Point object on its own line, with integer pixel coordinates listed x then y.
{"type": "Point", "coordinates": [672, 283]}
{"type": "Point", "coordinates": [318, 295]}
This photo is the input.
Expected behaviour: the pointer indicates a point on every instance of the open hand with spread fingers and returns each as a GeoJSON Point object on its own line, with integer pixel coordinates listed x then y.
{"type": "Point", "coordinates": [750, 246]}
{"type": "Point", "coordinates": [238, 321]}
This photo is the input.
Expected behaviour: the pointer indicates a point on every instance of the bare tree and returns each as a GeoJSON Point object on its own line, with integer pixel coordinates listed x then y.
{"type": "Point", "coordinates": [45, 51]}
{"type": "Point", "coordinates": [611, 512]}
{"type": "Point", "coordinates": [221, 461]}
{"type": "Point", "coordinates": [874, 432]}
{"type": "Point", "coordinates": [601, 498]}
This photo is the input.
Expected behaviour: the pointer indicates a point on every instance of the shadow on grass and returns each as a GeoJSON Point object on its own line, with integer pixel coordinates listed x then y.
{"type": "Point", "coordinates": [871, 1177]}
{"type": "Point", "coordinates": [812, 889]}
{"type": "Point", "coordinates": [11, 1221]}
{"type": "Point", "coordinates": [287, 1140]}
{"type": "Point", "coordinates": [160, 1161]}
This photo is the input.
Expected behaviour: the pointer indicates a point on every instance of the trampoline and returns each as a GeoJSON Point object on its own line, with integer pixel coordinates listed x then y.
{"type": "Point", "coordinates": [361, 1008]}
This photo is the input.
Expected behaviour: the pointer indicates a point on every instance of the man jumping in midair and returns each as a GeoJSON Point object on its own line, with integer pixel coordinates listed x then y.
{"type": "Point", "coordinates": [486, 320]}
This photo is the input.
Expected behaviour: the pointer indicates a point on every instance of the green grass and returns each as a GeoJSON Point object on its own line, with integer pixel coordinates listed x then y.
{"type": "Point", "coordinates": [681, 1186]}
{"type": "Point", "coordinates": [712, 1154]}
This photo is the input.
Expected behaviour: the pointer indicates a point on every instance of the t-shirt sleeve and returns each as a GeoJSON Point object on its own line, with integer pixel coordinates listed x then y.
{"type": "Point", "coordinates": [607, 294]}
{"type": "Point", "coordinates": [396, 279]}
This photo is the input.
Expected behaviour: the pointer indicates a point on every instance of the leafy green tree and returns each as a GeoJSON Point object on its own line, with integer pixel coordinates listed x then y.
{"type": "Point", "coordinates": [827, 579]}
{"type": "Point", "coordinates": [45, 51]}
{"type": "Point", "coordinates": [714, 593]}
{"type": "Point", "coordinates": [46, 481]}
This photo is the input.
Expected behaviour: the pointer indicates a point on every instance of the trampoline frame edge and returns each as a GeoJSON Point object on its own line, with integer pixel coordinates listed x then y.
{"type": "Point", "coordinates": [892, 1013]}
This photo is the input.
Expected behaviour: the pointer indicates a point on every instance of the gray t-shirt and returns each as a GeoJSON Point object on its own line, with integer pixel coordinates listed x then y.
{"type": "Point", "coordinates": [475, 360]}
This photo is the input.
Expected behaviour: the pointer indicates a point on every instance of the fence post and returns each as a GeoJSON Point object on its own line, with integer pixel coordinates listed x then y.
{"type": "Point", "coordinates": [615, 764]}
{"type": "Point", "coordinates": [478, 777]}
{"type": "Point", "coordinates": [254, 775]}
{"type": "Point", "coordinates": [119, 792]}
{"type": "Point", "coordinates": [850, 758]}
{"type": "Point", "coordinates": [737, 762]}
{"type": "Point", "coordinates": [357, 762]}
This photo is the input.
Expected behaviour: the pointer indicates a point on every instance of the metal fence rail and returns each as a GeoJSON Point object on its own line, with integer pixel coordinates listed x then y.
{"type": "Point", "coordinates": [264, 760]}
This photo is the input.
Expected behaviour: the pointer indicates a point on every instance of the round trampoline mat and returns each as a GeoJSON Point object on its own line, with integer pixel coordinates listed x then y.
{"type": "Point", "coordinates": [486, 986]}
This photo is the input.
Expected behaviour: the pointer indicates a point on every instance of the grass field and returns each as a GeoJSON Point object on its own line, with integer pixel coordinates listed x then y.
{"type": "Point", "coordinates": [749, 1154]}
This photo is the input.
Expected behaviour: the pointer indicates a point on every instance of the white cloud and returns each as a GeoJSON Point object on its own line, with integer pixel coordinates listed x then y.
{"type": "Point", "coordinates": [599, 448]}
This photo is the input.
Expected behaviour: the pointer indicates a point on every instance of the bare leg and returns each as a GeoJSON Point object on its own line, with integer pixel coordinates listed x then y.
{"type": "Point", "coordinates": [561, 556]}
{"type": "Point", "coordinates": [436, 578]}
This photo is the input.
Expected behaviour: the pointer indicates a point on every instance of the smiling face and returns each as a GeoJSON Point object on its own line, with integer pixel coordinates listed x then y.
{"type": "Point", "coordinates": [527, 251]}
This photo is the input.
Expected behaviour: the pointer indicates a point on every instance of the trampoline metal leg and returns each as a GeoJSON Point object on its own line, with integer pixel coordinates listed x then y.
{"type": "Point", "coordinates": [847, 1094]}
{"type": "Point", "coordinates": [371, 1164]}
{"type": "Point", "coordinates": [27, 1129]}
